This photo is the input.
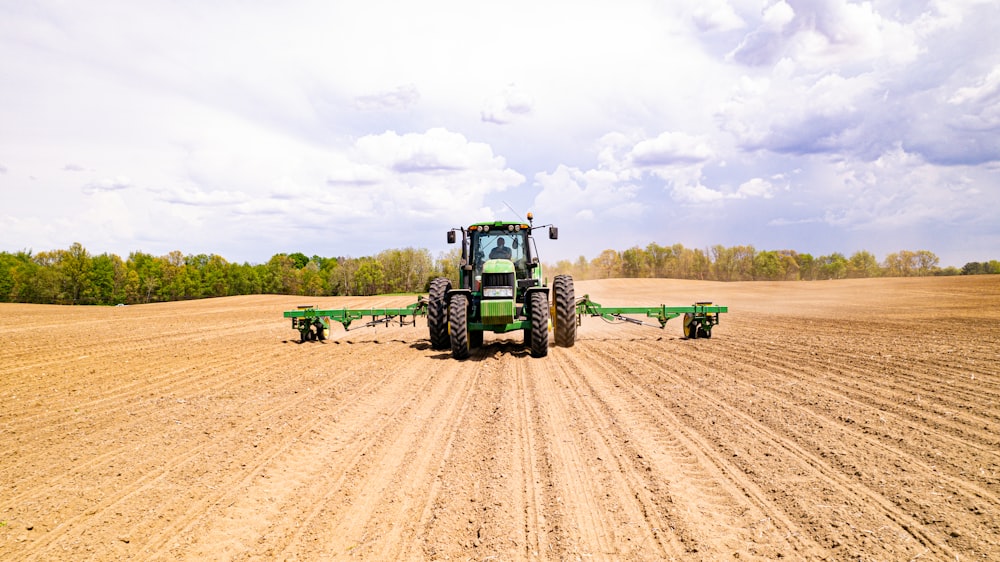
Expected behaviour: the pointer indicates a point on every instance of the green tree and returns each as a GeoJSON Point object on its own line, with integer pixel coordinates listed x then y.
{"type": "Point", "coordinates": [149, 275]}
{"type": "Point", "coordinates": [108, 276]}
{"type": "Point", "coordinates": [927, 262]}
{"type": "Point", "coordinates": [833, 266]}
{"type": "Point", "coordinates": [974, 268]}
{"type": "Point", "coordinates": [174, 272]}
{"type": "Point", "coordinates": [340, 278]}
{"type": "Point", "coordinates": [214, 282]}
{"type": "Point", "coordinates": [299, 259]}
{"type": "Point", "coordinates": [7, 265]}
{"type": "Point", "coordinates": [281, 276]}
{"type": "Point", "coordinates": [790, 265]}
{"type": "Point", "coordinates": [635, 263]}
{"type": "Point", "coordinates": [313, 283]}
{"type": "Point", "coordinates": [701, 265]}
{"type": "Point", "coordinates": [768, 266]}
{"type": "Point", "coordinates": [607, 265]}
{"type": "Point", "coordinates": [660, 258]}
{"type": "Point", "coordinates": [723, 265]}
{"type": "Point", "coordinates": [369, 278]}
{"type": "Point", "coordinates": [74, 267]}
{"type": "Point", "coordinates": [808, 266]}
{"type": "Point", "coordinates": [863, 265]}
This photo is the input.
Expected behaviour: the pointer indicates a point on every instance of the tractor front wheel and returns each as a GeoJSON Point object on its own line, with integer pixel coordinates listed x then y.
{"type": "Point", "coordinates": [539, 324]}
{"type": "Point", "coordinates": [458, 326]}
{"type": "Point", "coordinates": [565, 310]}
{"type": "Point", "coordinates": [437, 313]}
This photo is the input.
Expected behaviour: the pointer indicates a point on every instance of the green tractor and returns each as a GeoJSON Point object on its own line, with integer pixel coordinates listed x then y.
{"type": "Point", "coordinates": [501, 288]}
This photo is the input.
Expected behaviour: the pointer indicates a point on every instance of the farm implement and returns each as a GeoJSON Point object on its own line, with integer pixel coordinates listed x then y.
{"type": "Point", "coordinates": [501, 289]}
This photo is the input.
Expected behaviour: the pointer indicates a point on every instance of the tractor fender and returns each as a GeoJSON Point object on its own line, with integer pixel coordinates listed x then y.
{"type": "Point", "coordinates": [466, 292]}
{"type": "Point", "coordinates": [530, 290]}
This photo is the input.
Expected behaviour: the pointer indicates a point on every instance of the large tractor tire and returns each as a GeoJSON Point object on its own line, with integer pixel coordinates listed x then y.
{"type": "Point", "coordinates": [437, 313]}
{"type": "Point", "coordinates": [565, 311]}
{"type": "Point", "coordinates": [539, 324]}
{"type": "Point", "coordinates": [458, 326]}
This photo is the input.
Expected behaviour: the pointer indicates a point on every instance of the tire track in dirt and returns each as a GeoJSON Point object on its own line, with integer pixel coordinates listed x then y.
{"type": "Point", "coordinates": [864, 394]}
{"type": "Point", "coordinates": [152, 478]}
{"type": "Point", "coordinates": [608, 503]}
{"type": "Point", "coordinates": [477, 501]}
{"type": "Point", "coordinates": [386, 495]}
{"type": "Point", "coordinates": [536, 475]}
{"type": "Point", "coordinates": [798, 464]}
{"type": "Point", "coordinates": [878, 462]}
{"type": "Point", "coordinates": [725, 514]}
{"type": "Point", "coordinates": [159, 390]}
{"type": "Point", "coordinates": [252, 504]}
{"type": "Point", "coordinates": [900, 371]}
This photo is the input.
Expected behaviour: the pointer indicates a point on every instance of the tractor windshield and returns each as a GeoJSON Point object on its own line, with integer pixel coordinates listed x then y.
{"type": "Point", "coordinates": [500, 244]}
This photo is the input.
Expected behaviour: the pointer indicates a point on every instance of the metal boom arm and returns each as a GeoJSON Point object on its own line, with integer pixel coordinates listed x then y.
{"type": "Point", "coordinates": [308, 317]}
{"type": "Point", "coordinates": [701, 315]}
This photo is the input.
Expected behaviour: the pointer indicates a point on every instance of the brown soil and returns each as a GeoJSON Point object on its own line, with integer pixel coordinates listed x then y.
{"type": "Point", "coordinates": [826, 420]}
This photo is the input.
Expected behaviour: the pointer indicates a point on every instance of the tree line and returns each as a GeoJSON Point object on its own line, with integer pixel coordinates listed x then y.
{"type": "Point", "coordinates": [75, 276]}
{"type": "Point", "coordinates": [745, 263]}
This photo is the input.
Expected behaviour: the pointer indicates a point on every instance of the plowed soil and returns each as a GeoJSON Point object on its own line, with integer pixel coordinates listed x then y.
{"type": "Point", "coordinates": [842, 420]}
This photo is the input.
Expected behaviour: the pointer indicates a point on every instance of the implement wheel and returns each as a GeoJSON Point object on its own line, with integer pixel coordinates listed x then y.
{"type": "Point", "coordinates": [539, 324]}
{"type": "Point", "coordinates": [458, 326]}
{"type": "Point", "coordinates": [691, 327]}
{"type": "Point", "coordinates": [437, 313]}
{"type": "Point", "coordinates": [565, 311]}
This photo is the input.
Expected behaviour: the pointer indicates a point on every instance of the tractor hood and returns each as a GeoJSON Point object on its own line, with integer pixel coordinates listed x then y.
{"type": "Point", "coordinates": [498, 266]}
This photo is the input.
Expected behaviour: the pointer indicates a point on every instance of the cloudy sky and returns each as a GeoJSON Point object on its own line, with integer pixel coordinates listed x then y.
{"type": "Point", "coordinates": [334, 128]}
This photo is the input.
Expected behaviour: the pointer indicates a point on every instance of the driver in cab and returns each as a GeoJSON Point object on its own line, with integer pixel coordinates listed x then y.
{"type": "Point", "coordinates": [500, 252]}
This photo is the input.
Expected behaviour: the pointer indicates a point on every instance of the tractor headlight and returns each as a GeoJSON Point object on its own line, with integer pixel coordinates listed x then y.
{"type": "Point", "coordinates": [498, 292]}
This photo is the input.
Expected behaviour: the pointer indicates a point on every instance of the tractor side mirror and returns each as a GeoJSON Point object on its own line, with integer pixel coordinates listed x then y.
{"type": "Point", "coordinates": [553, 233]}
{"type": "Point", "coordinates": [451, 236]}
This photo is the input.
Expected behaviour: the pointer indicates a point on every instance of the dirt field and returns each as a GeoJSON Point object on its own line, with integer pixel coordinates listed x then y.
{"type": "Point", "coordinates": [827, 420]}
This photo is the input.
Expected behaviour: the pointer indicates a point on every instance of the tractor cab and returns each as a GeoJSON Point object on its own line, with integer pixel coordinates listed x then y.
{"type": "Point", "coordinates": [499, 259]}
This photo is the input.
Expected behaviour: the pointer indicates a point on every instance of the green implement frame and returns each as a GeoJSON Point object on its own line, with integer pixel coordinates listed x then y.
{"type": "Point", "coordinates": [314, 323]}
{"type": "Point", "coordinates": [699, 318]}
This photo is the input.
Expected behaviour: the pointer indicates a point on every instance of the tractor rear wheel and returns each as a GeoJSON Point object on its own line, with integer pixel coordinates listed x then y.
{"type": "Point", "coordinates": [458, 326]}
{"type": "Point", "coordinates": [539, 324]}
{"type": "Point", "coordinates": [565, 309]}
{"type": "Point", "coordinates": [437, 313]}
